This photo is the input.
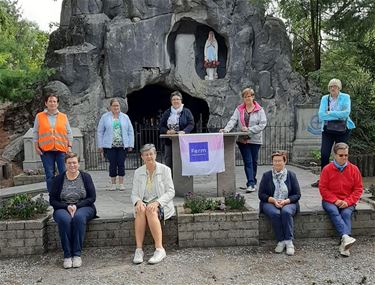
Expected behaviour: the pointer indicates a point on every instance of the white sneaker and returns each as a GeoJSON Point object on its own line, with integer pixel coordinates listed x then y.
{"type": "Point", "coordinates": [158, 256]}
{"type": "Point", "coordinates": [250, 189]}
{"type": "Point", "coordinates": [347, 241]}
{"type": "Point", "coordinates": [280, 247]}
{"type": "Point", "coordinates": [122, 187]}
{"type": "Point", "coordinates": [344, 252]}
{"type": "Point", "coordinates": [77, 261]}
{"type": "Point", "coordinates": [68, 263]}
{"type": "Point", "coordinates": [289, 247]}
{"type": "Point", "coordinates": [112, 187]}
{"type": "Point", "coordinates": [138, 256]}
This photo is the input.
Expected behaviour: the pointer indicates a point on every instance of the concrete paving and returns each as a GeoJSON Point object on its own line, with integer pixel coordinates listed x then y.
{"type": "Point", "coordinates": [116, 204]}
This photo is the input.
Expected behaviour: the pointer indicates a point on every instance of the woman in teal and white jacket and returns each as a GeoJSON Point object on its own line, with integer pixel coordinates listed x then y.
{"type": "Point", "coordinates": [334, 106]}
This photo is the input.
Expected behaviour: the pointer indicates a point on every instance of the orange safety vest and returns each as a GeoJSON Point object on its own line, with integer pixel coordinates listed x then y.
{"type": "Point", "coordinates": [53, 138]}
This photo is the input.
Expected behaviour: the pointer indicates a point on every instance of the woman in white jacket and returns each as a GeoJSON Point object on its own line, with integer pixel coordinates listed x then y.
{"type": "Point", "coordinates": [152, 197]}
{"type": "Point", "coordinates": [249, 117]}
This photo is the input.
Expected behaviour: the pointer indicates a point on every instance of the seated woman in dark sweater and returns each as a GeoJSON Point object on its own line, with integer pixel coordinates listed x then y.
{"type": "Point", "coordinates": [72, 198]}
{"type": "Point", "coordinates": [279, 193]}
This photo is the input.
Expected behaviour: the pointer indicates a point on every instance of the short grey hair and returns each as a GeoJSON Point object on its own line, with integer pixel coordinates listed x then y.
{"type": "Point", "coordinates": [176, 93]}
{"type": "Point", "coordinates": [335, 82]}
{"type": "Point", "coordinates": [147, 147]}
{"type": "Point", "coordinates": [339, 146]}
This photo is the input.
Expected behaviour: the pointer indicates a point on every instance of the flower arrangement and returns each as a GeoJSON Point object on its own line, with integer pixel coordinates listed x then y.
{"type": "Point", "coordinates": [211, 64]}
{"type": "Point", "coordinates": [198, 204]}
{"type": "Point", "coordinates": [31, 172]}
{"type": "Point", "coordinates": [23, 207]}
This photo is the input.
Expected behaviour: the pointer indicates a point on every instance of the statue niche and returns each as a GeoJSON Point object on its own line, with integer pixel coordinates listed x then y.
{"type": "Point", "coordinates": [190, 40]}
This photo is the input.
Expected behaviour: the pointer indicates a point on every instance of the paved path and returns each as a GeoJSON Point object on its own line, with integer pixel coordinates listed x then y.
{"type": "Point", "coordinates": [117, 204]}
{"type": "Point", "coordinates": [114, 204]}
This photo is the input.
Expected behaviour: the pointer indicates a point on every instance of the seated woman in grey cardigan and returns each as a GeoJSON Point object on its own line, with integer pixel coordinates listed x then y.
{"type": "Point", "coordinates": [152, 197]}
{"type": "Point", "coordinates": [279, 194]}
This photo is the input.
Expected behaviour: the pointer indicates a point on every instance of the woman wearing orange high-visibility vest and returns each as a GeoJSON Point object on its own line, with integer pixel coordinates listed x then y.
{"type": "Point", "coordinates": [52, 137]}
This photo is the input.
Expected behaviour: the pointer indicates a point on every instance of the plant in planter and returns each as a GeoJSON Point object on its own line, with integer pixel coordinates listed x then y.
{"type": "Point", "coordinates": [23, 207]}
{"type": "Point", "coordinates": [23, 225]}
{"type": "Point", "coordinates": [215, 222]}
{"type": "Point", "coordinates": [199, 204]}
{"type": "Point", "coordinates": [235, 201]}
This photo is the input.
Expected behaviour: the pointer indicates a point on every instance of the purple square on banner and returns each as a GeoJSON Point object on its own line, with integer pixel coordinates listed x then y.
{"type": "Point", "coordinates": [198, 151]}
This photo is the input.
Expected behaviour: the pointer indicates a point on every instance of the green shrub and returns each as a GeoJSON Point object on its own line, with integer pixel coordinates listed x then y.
{"type": "Point", "coordinates": [23, 207]}
{"type": "Point", "coordinates": [199, 204]}
{"type": "Point", "coordinates": [235, 201]}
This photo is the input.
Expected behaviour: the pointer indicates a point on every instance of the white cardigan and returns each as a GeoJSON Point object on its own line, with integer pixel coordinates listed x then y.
{"type": "Point", "coordinates": [164, 187]}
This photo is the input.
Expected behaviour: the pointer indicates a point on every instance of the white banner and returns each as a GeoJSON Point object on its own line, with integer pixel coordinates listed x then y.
{"type": "Point", "coordinates": [202, 154]}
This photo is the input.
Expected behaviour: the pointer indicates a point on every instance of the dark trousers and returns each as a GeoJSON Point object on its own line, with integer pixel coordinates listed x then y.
{"type": "Point", "coordinates": [72, 230]}
{"type": "Point", "coordinates": [281, 220]}
{"type": "Point", "coordinates": [49, 160]}
{"type": "Point", "coordinates": [327, 142]}
{"type": "Point", "coordinates": [116, 157]}
{"type": "Point", "coordinates": [168, 156]}
{"type": "Point", "coordinates": [249, 154]}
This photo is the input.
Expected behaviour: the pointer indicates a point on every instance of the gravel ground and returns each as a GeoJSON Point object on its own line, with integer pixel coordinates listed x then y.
{"type": "Point", "coordinates": [315, 262]}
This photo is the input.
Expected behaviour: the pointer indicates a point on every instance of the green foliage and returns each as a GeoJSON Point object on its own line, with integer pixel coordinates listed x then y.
{"type": "Point", "coordinates": [199, 204]}
{"type": "Point", "coordinates": [315, 153]}
{"type": "Point", "coordinates": [22, 50]}
{"type": "Point", "coordinates": [336, 39]}
{"type": "Point", "coordinates": [235, 201]}
{"type": "Point", "coordinates": [23, 207]}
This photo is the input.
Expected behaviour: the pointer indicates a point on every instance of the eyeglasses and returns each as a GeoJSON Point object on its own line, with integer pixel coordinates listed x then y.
{"type": "Point", "coordinates": [342, 155]}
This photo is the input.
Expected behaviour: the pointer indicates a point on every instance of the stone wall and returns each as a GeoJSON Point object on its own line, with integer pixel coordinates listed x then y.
{"type": "Point", "coordinates": [114, 232]}
{"type": "Point", "coordinates": [316, 224]}
{"type": "Point", "coordinates": [19, 238]}
{"type": "Point", "coordinates": [217, 229]}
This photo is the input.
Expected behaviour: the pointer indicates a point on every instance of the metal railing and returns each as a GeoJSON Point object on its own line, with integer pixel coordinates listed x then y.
{"type": "Point", "coordinates": [275, 137]}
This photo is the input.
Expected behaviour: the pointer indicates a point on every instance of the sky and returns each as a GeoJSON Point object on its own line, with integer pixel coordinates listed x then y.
{"type": "Point", "coordinates": [41, 12]}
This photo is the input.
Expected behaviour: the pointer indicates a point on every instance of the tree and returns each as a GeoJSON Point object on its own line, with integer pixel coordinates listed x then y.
{"type": "Point", "coordinates": [22, 50]}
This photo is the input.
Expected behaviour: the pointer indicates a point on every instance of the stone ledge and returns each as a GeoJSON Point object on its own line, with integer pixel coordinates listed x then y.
{"type": "Point", "coordinates": [36, 236]}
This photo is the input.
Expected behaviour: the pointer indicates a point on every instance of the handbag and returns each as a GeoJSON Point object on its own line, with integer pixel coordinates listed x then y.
{"type": "Point", "coordinates": [335, 127]}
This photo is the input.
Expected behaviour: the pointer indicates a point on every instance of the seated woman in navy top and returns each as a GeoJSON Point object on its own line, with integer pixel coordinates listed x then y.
{"type": "Point", "coordinates": [279, 193]}
{"type": "Point", "coordinates": [72, 198]}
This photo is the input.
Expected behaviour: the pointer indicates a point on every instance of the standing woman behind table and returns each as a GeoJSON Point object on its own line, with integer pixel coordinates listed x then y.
{"type": "Point", "coordinates": [176, 119]}
{"type": "Point", "coordinates": [52, 137]}
{"type": "Point", "coordinates": [334, 106]}
{"type": "Point", "coordinates": [115, 138]}
{"type": "Point", "coordinates": [72, 198]}
{"type": "Point", "coordinates": [279, 193]}
{"type": "Point", "coordinates": [249, 117]}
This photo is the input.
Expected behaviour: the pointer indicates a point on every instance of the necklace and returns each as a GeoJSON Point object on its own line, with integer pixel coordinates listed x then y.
{"type": "Point", "coordinates": [72, 178]}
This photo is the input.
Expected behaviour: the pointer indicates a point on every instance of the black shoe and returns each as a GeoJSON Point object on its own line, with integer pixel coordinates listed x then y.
{"type": "Point", "coordinates": [315, 184]}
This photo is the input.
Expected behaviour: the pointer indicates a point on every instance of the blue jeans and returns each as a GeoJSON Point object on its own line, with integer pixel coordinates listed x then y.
{"type": "Point", "coordinates": [327, 142]}
{"type": "Point", "coordinates": [340, 218]}
{"type": "Point", "coordinates": [249, 154]}
{"type": "Point", "coordinates": [49, 159]}
{"type": "Point", "coordinates": [281, 220]}
{"type": "Point", "coordinates": [72, 230]}
{"type": "Point", "coordinates": [116, 157]}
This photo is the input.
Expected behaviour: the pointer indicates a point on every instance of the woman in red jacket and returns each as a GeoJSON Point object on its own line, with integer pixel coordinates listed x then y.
{"type": "Point", "coordinates": [341, 187]}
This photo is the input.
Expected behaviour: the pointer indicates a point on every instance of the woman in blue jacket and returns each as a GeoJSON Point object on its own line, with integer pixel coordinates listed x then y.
{"type": "Point", "coordinates": [334, 106]}
{"type": "Point", "coordinates": [279, 194]}
{"type": "Point", "coordinates": [115, 138]}
{"type": "Point", "coordinates": [175, 120]}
